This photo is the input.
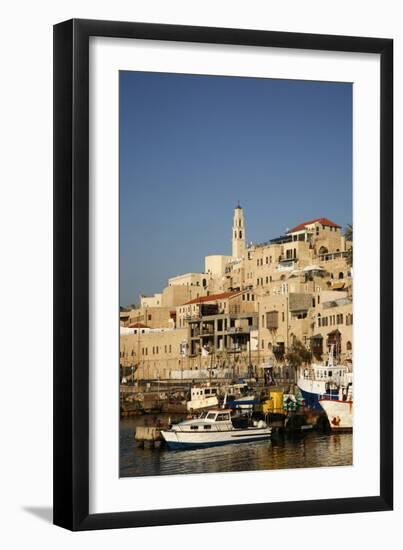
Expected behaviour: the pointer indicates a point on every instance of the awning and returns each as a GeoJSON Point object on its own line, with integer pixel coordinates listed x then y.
{"type": "Point", "coordinates": [313, 268]}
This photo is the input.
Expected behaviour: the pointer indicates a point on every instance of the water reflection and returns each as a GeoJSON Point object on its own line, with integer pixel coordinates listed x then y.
{"type": "Point", "coordinates": [306, 450]}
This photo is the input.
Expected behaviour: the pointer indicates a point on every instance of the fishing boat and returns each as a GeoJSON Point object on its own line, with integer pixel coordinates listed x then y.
{"type": "Point", "coordinates": [215, 427]}
{"type": "Point", "coordinates": [340, 411]}
{"type": "Point", "coordinates": [321, 381]}
{"type": "Point", "coordinates": [202, 397]}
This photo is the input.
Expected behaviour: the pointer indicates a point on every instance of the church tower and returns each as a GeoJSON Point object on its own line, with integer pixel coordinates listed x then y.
{"type": "Point", "coordinates": [238, 233]}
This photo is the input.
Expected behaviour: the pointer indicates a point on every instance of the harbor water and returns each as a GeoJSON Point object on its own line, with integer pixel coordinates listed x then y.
{"type": "Point", "coordinates": [310, 449]}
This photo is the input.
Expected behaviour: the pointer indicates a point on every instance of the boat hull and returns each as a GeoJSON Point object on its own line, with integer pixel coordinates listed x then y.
{"type": "Point", "coordinates": [191, 440]}
{"type": "Point", "coordinates": [202, 404]}
{"type": "Point", "coordinates": [313, 391]}
{"type": "Point", "coordinates": [339, 414]}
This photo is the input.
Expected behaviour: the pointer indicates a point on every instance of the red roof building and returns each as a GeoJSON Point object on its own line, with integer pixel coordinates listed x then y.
{"type": "Point", "coordinates": [323, 221]}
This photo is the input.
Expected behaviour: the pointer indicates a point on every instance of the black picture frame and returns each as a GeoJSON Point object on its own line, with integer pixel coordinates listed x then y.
{"type": "Point", "coordinates": [71, 274]}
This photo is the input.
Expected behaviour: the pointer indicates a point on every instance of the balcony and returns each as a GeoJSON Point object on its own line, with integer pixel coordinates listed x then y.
{"type": "Point", "coordinates": [286, 264]}
{"type": "Point", "coordinates": [328, 256]}
{"type": "Point", "coordinates": [241, 330]}
{"type": "Point", "coordinates": [206, 331]}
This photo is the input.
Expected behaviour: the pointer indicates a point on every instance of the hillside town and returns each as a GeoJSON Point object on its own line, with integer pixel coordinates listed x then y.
{"type": "Point", "coordinates": [252, 314]}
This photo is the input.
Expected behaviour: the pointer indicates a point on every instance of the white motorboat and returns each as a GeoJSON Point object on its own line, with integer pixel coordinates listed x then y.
{"type": "Point", "coordinates": [215, 427]}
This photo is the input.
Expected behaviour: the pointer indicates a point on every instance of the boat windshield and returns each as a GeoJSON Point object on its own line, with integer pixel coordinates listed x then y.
{"type": "Point", "coordinates": [203, 415]}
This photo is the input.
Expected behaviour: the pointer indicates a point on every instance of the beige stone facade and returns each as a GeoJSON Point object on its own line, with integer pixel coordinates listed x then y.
{"type": "Point", "coordinates": [153, 354]}
{"type": "Point", "coordinates": [152, 317]}
{"type": "Point", "coordinates": [151, 301]}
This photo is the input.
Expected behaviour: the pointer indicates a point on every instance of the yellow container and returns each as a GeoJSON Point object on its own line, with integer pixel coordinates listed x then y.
{"type": "Point", "coordinates": [274, 403]}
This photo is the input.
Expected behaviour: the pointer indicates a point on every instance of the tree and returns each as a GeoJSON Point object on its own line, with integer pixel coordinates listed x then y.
{"type": "Point", "coordinates": [298, 354]}
{"type": "Point", "coordinates": [348, 234]}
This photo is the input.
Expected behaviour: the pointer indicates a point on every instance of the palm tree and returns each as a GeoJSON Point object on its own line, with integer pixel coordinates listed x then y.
{"type": "Point", "coordinates": [348, 234]}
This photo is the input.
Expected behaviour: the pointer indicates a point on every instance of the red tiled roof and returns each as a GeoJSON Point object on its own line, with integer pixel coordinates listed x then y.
{"type": "Point", "coordinates": [212, 298]}
{"type": "Point", "coordinates": [323, 221]}
{"type": "Point", "coordinates": [137, 325]}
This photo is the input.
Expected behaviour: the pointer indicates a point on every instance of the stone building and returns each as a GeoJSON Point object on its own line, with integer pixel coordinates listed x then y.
{"type": "Point", "coordinates": [250, 307]}
{"type": "Point", "coordinates": [153, 353]}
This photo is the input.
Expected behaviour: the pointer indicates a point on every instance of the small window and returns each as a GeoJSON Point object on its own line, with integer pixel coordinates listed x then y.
{"type": "Point", "coordinates": [207, 427]}
{"type": "Point", "coordinates": [194, 427]}
{"type": "Point", "coordinates": [211, 416]}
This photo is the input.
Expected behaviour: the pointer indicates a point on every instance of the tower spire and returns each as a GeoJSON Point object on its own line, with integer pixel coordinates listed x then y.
{"type": "Point", "coordinates": [238, 233]}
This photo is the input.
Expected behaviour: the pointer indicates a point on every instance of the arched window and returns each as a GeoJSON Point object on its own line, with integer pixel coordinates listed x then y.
{"type": "Point", "coordinates": [323, 250]}
{"type": "Point", "coordinates": [240, 234]}
{"type": "Point", "coordinates": [341, 275]}
{"type": "Point", "coordinates": [319, 319]}
{"type": "Point", "coordinates": [204, 282]}
{"type": "Point", "coordinates": [349, 346]}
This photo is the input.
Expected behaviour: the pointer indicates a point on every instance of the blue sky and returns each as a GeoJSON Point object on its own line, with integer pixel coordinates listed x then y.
{"type": "Point", "coordinates": [191, 146]}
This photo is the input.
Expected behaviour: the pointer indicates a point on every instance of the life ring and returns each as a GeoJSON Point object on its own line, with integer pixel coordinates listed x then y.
{"type": "Point", "coordinates": [336, 420]}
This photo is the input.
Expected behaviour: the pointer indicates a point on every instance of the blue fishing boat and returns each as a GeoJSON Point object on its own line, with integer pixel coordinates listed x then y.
{"type": "Point", "coordinates": [321, 381]}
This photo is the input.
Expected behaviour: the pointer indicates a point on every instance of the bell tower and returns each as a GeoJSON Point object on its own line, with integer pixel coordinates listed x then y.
{"type": "Point", "coordinates": [238, 233]}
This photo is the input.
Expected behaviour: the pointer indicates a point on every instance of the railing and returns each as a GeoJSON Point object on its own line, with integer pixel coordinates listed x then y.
{"type": "Point", "coordinates": [332, 256]}
{"type": "Point", "coordinates": [192, 318]}
{"type": "Point", "coordinates": [206, 331]}
{"type": "Point", "coordinates": [240, 330]}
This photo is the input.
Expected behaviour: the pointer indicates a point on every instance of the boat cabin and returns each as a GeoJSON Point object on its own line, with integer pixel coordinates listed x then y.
{"type": "Point", "coordinates": [216, 416]}
{"type": "Point", "coordinates": [325, 372]}
{"type": "Point", "coordinates": [213, 420]}
{"type": "Point", "coordinates": [199, 392]}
